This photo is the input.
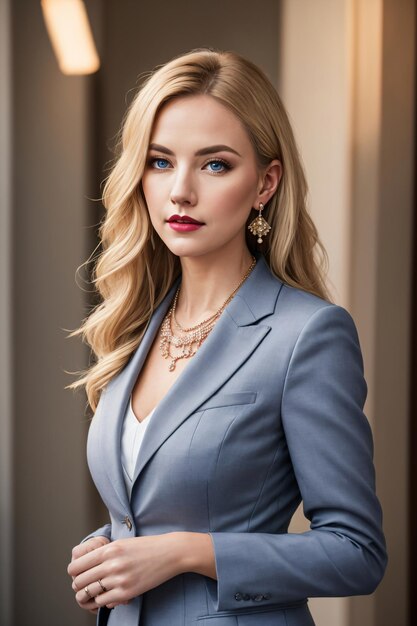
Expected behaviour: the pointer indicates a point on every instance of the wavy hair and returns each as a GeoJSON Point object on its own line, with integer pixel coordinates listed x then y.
{"type": "Point", "coordinates": [134, 269]}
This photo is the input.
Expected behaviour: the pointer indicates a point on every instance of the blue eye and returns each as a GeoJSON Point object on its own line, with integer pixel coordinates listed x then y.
{"type": "Point", "coordinates": [159, 161]}
{"type": "Point", "coordinates": [224, 166]}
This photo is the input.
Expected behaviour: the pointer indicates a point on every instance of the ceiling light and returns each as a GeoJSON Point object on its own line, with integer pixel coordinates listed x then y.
{"type": "Point", "coordinates": [71, 37]}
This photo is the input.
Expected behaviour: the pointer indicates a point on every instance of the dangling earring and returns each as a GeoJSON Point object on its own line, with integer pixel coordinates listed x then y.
{"type": "Point", "coordinates": [259, 226]}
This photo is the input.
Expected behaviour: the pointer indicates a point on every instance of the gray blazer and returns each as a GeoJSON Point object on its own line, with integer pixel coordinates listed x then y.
{"type": "Point", "coordinates": [269, 412]}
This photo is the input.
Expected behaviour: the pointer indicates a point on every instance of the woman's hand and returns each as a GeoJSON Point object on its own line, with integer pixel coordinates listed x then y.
{"type": "Point", "coordinates": [125, 568]}
{"type": "Point", "coordinates": [78, 551]}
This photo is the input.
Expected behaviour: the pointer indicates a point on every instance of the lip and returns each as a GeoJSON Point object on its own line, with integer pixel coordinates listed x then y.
{"type": "Point", "coordinates": [190, 220]}
{"type": "Point", "coordinates": [184, 228]}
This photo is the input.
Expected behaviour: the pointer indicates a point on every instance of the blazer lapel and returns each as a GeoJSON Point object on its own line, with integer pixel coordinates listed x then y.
{"type": "Point", "coordinates": [233, 339]}
{"type": "Point", "coordinates": [115, 399]}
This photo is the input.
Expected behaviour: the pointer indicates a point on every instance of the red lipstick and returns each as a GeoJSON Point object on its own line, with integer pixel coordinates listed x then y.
{"type": "Point", "coordinates": [184, 223]}
{"type": "Point", "coordinates": [183, 218]}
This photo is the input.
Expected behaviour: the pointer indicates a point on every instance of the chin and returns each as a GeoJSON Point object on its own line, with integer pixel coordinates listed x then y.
{"type": "Point", "coordinates": [187, 249]}
{"type": "Point", "coordinates": [182, 252]}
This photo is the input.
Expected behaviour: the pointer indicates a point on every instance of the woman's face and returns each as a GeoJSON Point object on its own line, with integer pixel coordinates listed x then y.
{"type": "Point", "coordinates": [201, 164]}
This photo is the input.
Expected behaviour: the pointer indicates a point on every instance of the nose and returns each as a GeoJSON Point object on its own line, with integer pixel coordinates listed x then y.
{"type": "Point", "coordinates": [182, 191]}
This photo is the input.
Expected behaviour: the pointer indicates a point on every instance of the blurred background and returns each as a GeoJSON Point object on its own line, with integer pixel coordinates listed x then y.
{"type": "Point", "coordinates": [346, 72]}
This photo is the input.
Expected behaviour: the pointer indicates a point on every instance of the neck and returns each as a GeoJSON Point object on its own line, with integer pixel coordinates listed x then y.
{"type": "Point", "coordinates": [207, 281]}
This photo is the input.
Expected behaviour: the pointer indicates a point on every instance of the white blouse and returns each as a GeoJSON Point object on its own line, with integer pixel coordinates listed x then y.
{"type": "Point", "coordinates": [132, 436]}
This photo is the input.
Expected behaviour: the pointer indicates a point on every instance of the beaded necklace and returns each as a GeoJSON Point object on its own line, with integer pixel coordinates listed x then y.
{"type": "Point", "coordinates": [192, 337]}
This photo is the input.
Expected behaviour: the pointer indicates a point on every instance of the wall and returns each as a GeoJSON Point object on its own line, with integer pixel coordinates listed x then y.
{"type": "Point", "coordinates": [6, 432]}
{"type": "Point", "coordinates": [50, 240]}
{"type": "Point", "coordinates": [315, 85]}
{"type": "Point", "coordinates": [135, 40]}
{"type": "Point", "coordinates": [381, 266]}
{"type": "Point", "coordinates": [347, 76]}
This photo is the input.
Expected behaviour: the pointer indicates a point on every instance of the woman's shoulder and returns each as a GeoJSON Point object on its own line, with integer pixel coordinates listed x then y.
{"type": "Point", "coordinates": [288, 309]}
{"type": "Point", "coordinates": [300, 300]}
{"type": "Point", "coordinates": [289, 299]}
{"type": "Point", "coordinates": [297, 309]}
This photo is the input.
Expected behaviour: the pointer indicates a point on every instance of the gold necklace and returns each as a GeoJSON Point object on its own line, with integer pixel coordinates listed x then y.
{"type": "Point", "coordinates": [194, 334]}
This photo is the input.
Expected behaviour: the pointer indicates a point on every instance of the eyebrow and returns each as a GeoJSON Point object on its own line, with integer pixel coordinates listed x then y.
{"type": "Point", "coordinates": [201, 152]}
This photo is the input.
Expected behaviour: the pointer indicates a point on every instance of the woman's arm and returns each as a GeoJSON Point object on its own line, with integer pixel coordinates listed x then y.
{"type": "Point", "coordinates": [196, 554]}
{"type": "Point", "coordinates": [104, 531]}
{"type": "Point", "coordinates": [331, 448]}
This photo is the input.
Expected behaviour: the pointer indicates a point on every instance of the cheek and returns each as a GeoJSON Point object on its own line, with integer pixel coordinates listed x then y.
{"type": "Point", "coordinates": [155, 199]}
{"type": "Point", "coordinates": [234, 200]}
{"type": "Point", "coordinates": [150, 191]}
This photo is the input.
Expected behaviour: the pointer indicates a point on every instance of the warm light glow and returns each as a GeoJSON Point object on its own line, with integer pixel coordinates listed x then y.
{"type": "Point", "coordinates": [71, 37]}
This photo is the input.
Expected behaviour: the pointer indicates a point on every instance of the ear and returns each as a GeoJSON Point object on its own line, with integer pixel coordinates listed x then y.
{"type": "Point", "coordinates": [269, 181]}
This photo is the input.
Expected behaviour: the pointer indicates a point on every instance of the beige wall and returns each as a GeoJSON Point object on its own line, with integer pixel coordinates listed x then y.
{"type": "Point", "coordinates": [314, 83]}
{"type": "Point", "coordinates": [347, 78]}
{"type": "Point", "coordinates": [391, 216]}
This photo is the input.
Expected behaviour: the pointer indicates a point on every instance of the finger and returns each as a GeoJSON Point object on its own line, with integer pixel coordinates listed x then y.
{"type": "Point", "coordinates": [91, 607]}
{"type": "Point", "coordinates": [78, 551]}
{"type": "Point", "coordinates": [86, 562]}
{"type": "Point", "coordinates": [110, 599]}
{"type": "Point", "coordinates": [91, 592]}
{"type": "Point", "coordinates": [111, 605]}
{"type": "Point", "coordinates": [87, 603]}
{"type": "Point", "coordinates": [89, 578]}
{"type": "Point", "coordinates": [88, 546]}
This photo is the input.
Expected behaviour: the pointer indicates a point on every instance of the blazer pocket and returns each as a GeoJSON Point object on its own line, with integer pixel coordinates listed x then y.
{"type": "Point", "coordinates": [259, 617]}
{"type": "Point", "coordinates": [228, 399]}
{"type": "Point", "coordinates": [291, 614]}
{"type": "Point", "coordinates": [265, 616]}
{"type": "Point", "coordinates": [213, 620]}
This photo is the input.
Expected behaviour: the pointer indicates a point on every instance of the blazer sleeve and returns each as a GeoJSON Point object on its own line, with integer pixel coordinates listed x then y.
{"type": "Point", "coordinates": [331, 448]}
{"type": "Point", "coordinates": [104, 531]}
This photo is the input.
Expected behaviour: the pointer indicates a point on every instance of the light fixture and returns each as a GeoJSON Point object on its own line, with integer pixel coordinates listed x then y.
{"type": "Point", "coordinates": [71, 37]}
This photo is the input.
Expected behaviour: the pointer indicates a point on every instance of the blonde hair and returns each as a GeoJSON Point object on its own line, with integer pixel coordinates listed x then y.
{"type": "Point", "coordinates": [135, 269]}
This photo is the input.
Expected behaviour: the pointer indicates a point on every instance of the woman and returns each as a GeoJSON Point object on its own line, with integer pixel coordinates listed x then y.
{"type": "Point", "coordinates": [228, 387]}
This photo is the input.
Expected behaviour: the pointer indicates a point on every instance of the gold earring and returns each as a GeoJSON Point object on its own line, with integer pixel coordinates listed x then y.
{"type": "Point", "coordinates": [259, 226]}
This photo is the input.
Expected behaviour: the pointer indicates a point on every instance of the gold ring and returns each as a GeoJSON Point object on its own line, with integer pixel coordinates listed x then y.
{"type": "Point", "coordinates": [101, 585]}
{"type": "Point", "coordinates": [88, 593]}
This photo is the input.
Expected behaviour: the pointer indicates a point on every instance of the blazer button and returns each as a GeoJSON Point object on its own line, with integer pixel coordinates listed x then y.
{"type": "Point", "coordinates": [238, 596]}
{"type": "Point", "coordinates": [128, 522]}
{"type": "Point", "coordinates": [267, 596]}
{"type": "Point", "coordinates": [258, 597]}
{"type": "Point", "coordinates": [246, 596]}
